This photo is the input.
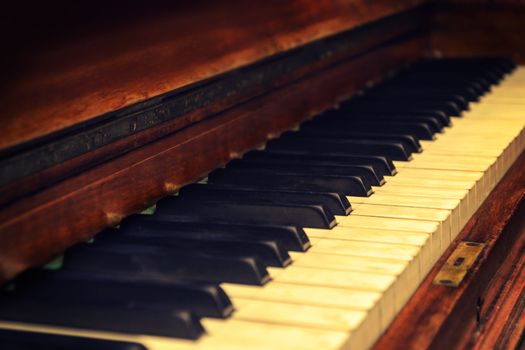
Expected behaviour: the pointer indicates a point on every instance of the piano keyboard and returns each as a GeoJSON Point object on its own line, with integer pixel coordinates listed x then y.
{"type": "Point", "coordinates": [315, 242]}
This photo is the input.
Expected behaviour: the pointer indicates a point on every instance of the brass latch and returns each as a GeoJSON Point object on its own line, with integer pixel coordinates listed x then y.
{"type": "Point", "coordinates": [458, 264]}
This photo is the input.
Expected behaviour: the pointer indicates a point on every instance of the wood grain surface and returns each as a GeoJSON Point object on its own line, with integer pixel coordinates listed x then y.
{"type": "Point", "coordinates": [42, 164]}
{"type": "Point", "coordinates": [491, 28]}
{"type": "Point", "coordinates": [69, 63]}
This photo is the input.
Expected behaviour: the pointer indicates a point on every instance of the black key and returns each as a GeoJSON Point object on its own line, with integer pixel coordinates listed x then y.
{"type": "Point", "coordinates": [25, 340]}
{"type": "Point", "coordinates": [482, 84]}
{"type": "Point", "coordinates": [399, 86]}
{"type": "Point", "coordinates": [394, 142]}
{"type": "Point", "coordinates": [291, 237]}
{"type": "Point", "coordinates": [85, 288]}
{"type": "Point", "coordinates": [336, 203]}
{"type": "Point", "coordinates": [364, 103]}
{"type": "Point", "coordinates": [435, 123]}
{"type": "Point", "coordinates": [478, 66]}
{"type": "Point", "coordinates": [449, 108]}
{"type": "Point", "coordinates": [166, 263]}
{"type": "Point", "coordinates": [421, 95]}
{"type": "Point", "coordinates": [316, 130]}
{"type": "Point", "coordinates": [420, 131]}
{"type": "Point", "coordinates": [467, 93]}
{"type": "Point", "coordinates": [268, 252]}
{"type": "Point", "coordinates": [348, 185]}
{"type": "Point", "coordinates": [393, 150]}
{"type": "Point", "coordinates": [249, 213]}
{"type": "Point", "coordinates": [365, 172]}
{"type": "Point", "coordinates": [432, 123]}
{"type": "Point", "coordinates": [458, 69]}
{"type": "Point", "coordinates": [382, 166]}
{"type": "Point", "coordinates": [396, 111]}
{"type": "Point", "coordinates": [506, 63]}
{"type": "Point", "coordinates": [437, 118]}
{"type": "Point", "coordinates": [446, 106]}
{"type": "Point", "coordinates": [134, 319]}
{"type": "Point", "coordinates": [464, 64]}
{"type": "Point", "coordinates": [478, 84]}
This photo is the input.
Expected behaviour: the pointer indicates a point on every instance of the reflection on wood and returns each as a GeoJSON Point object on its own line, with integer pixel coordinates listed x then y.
{"type": "Point", "coordinates": [159, 49]}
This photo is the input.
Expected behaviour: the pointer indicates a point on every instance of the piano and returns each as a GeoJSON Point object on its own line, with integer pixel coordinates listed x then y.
{"type": "Point", "coordinates": [260, 175]}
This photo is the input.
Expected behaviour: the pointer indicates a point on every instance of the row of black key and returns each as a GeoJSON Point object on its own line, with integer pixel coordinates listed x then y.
{"type": "Point", "coordinates": [159, 274]}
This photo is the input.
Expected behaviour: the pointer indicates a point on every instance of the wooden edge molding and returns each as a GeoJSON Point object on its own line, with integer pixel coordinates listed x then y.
{"type": "Point", "coordinates": [38, 227]}
{"type": "Point", "coordinates": [477, 314]}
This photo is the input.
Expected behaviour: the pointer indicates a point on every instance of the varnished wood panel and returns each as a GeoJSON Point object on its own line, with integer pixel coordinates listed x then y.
{"type": "Point", "coordinates": [502, 323]}
{"type": "Point", "coordinates": [468, 28]}
{"type": "Point", "coordinates": [440, 317]}
{"type": "Point", "coordinates": [135, 51]}
{"type": "Point", "coordinates": [42, 225]}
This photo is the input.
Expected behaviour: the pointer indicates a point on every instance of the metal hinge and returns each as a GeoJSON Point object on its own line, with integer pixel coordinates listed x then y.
{"type": "Point", "coordinates": [458, 264]}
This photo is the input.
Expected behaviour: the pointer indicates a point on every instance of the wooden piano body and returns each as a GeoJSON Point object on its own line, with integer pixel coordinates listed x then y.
{"type": "Point", "coordinates": [106, 111]}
